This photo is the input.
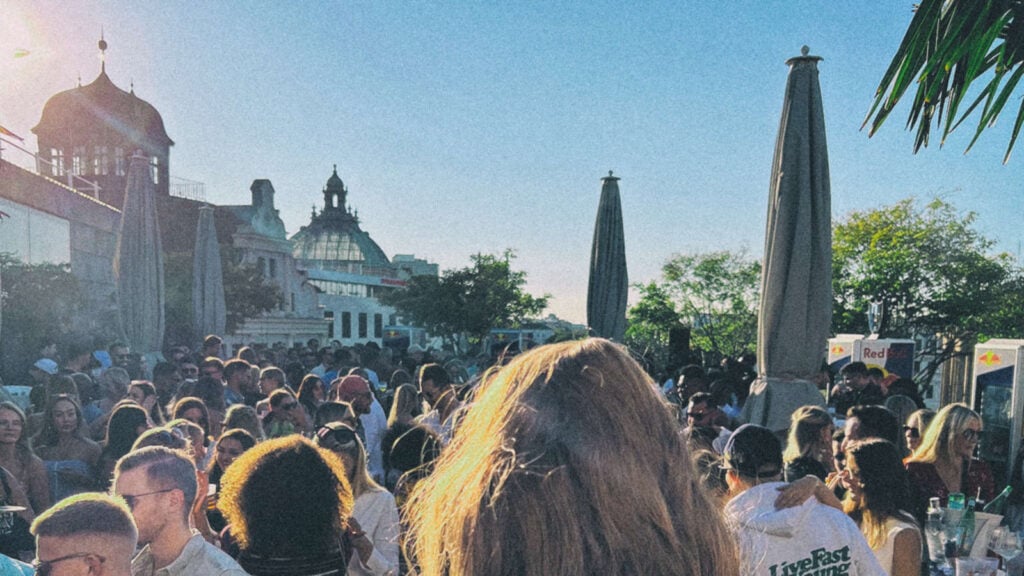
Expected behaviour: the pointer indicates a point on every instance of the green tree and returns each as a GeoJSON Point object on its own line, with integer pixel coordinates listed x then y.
{"type": "Point", "coordinates": [933, 274]}
{"type": "Point", "coordinates": [648, 324]}
{"type": "Point", "coordinates": [247, 294]}
{"type": "Point", "coordinates": [715, 294]}
{"type": "Point", "coordinates": [950, 46]}
{"type": "Point", "coordinates": [468, 301]}
{"type": "Point", "coordinates": [39, 302]}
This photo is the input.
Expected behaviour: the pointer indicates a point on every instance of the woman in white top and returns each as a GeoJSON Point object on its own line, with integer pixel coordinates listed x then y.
{"type": "Point", "coordinates": [374, 533]}
{"type": "Point", "coordinates": [877, 487]}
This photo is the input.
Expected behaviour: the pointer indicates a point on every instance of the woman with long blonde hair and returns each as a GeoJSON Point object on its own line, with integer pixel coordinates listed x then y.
{"type": "Point", "coordinates": [945, 462]}
{"type": "Point", "coordinates": [809, 445]}
{"type": "Point", "coordinates": [568, 462]}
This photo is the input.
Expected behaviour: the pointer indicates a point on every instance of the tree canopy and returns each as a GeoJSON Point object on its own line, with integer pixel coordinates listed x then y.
{"type": "Point", "coordinates": [468, 301]}
{"type": "Point", "coordinates": [933, 273]}
{"type": "Point", "coordinates": [715, 294]}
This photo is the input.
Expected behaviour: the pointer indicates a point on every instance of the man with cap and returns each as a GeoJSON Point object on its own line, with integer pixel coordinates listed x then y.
{"type": "Point", "coordinates": [809, 538]}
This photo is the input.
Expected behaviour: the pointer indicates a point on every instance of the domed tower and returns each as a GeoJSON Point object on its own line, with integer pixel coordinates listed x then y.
{"type": "Point", "coordinates": [333, 240]}
{"type": "Point", "coordinates": [92, 131]}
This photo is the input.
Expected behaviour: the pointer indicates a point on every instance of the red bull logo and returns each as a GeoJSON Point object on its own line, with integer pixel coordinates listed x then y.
{"type": "Point", "coordinates": [990, 358]}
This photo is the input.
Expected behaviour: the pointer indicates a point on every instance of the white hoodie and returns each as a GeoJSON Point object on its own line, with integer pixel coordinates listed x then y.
{"type": "Point", "coordinates": [808, 540]}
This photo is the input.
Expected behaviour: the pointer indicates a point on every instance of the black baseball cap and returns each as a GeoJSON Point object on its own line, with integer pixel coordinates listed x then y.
{"type": "Point", "coordinates": [753, 451]}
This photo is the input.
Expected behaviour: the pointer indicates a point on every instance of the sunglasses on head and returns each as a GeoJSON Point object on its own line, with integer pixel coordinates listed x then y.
{"type": "Point", "coordinates": [914, 432]}
{"type": "Point", "coordinates": [336, 437]}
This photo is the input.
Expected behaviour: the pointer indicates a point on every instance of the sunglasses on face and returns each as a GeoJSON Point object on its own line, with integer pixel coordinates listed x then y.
{"type": "Point", "coordinates": [289, 406]}
{"type": "Point", "coordinates": [336, 438]}
{"type": "Point", "coordinates": [912, 432]}
{"type": "Point", "coordinates": [972, 435]}
{"type": "Point", "coordinates": [696, 415]}
{"type": "Point", "coordinates": [45, 567]}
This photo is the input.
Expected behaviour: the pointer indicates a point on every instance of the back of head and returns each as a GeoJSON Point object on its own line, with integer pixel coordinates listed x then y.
{"type": "Point", "coordinates": [331, 412]}
{"type": "Point", "coordinates": [876, 422]}
{"type": "Point", "coordinates": [754, 453]}
{"type": "Point", "coordinates": [805, 432]}
{"type": "Point", "coordinates": [287, 498]}
{"type": "Point", "coordinates": [162, 436]}
{"type": "Point", "coordinates": [854, 369]}
{"type": "Point", "coordinates": [101, 522]}
{"type": "Point", "coordinates": [435, 373]}
{"type": "Point", "coordinates": [568, 433]}
{"type": "Point", "coordinates": [406, 403]}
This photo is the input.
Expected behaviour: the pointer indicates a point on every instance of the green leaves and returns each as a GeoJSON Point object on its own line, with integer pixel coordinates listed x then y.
{"type": "Point", "coordinates": [949, 46]}
{"type": "Point", "coordinates": [931, 269]}
{"type": "Point", "coordinates": [471, 301]}
{"type": "Point", "coordinates": [716, 294]}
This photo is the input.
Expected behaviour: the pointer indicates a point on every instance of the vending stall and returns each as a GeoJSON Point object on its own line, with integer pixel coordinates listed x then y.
{"type": "Point", "coordinates": [997, 393]}
{"type": "Point", "coordinates": [892, 355]}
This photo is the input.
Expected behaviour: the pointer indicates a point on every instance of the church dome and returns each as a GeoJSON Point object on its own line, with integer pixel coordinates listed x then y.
{"type": "Point", "coordinates": [333, 240]}
{"type": "Point", "coordinates": [103, 106]}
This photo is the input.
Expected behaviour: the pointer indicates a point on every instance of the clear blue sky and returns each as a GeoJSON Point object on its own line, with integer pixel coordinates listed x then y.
{"type": "Point", "coordinates": [475, 127]}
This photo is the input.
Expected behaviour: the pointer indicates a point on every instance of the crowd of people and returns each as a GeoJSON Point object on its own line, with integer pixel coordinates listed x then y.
{"type": "Point", "coordinates": [565, 459]}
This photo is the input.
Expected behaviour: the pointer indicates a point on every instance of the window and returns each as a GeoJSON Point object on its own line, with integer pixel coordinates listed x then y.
{"type": "Point", "coordinates": [155, 165]}
{"type": "Point", "coordinates": [100, 161]}
{"type": "Point", "coordinates": [346, 324]}
{"type": "Point", "coordinates": [57, 161]}
{"type": "Point", "coordinates": [261, 263]}
{"type": "Point", "coordinates": [378, 325]}
{"type": "Point", "coordinates": [362, 324]}
{"type": "Point", "coordinates": [329, 316]}
{"type": "Point", "coordinates": [273, 267]}
{"type": "Point", "coordinates": [119, 161]}
{"type": "Point", "coordinates": [293, 301]}
{"type": "Point", "coordinates": [78, 160]}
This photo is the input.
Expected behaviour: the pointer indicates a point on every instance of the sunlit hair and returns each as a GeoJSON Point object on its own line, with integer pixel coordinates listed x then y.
{"type": "Point", "coordinates": [49, 435]}
{"type": "Point", "coordinates": [122, 428]}
{"type": "Point", "coordinates": [285, 497]}
{"type": "Point", "coordinates": [805, 428]}
{"type": "Point", "coordinates": [884, 488]}
{"type": "Point", "coordinates": [84, 514]}
{"type": "Point", "coordinates": [163, 436]}
{"type": "Point", "coordinates": [187, 403]}
{"type": "Point", "coordinates": [360, 479]}
{"type": "Point", "coordinates": [166, 469]}
{"type": "Point", "coordinates": [568, 434]}
{"type": "Point", "coordinates": [22, 447]}
{"type": "Point", "coordinates": [406, 403]}
{"type": "Point", "coordinates": [921, 419]}
{"type": "Point", "coordinates": [244, 417]}
{"type": "Point", "coordinates": [939, 441]}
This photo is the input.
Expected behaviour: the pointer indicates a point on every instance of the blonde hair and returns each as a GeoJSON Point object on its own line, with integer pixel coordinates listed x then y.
{"type": "Point", "coordinates": [804, 438]}
{"type": "Point", "coordinates": [940, 439]}
{"type": "Point", "coordinates": [406, 400]}
{"type": "Point", "coordinates": [567, 434]}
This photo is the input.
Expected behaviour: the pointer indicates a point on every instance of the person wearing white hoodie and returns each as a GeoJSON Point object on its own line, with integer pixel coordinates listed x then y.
{"type": "Point", "coordinates": [810, 539]}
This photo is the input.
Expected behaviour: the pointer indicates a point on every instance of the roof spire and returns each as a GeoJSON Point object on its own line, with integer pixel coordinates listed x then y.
{"type": "Point", "coordinates": [103, 53]}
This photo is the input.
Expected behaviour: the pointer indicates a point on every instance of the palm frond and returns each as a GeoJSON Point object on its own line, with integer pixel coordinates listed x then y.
{"type": "Point", "coordinates": [950, 46]}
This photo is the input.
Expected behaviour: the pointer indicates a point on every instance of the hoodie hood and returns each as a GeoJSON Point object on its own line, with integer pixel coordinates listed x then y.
{"type": "Point", "coordinates": [755, 509]}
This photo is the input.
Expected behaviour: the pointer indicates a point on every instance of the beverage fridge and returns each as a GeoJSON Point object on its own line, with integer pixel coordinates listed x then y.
{"type": "Point", "coordinates": [997, 393]}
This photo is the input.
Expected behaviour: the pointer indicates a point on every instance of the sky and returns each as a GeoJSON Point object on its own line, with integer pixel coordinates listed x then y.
{"type": "Point", "coordinates": [472, 127]}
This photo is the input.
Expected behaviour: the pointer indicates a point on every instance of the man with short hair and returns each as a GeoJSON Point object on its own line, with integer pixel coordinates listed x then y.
{"type": "Point", "coordinates": [159, 485]}
{"type": "Point", "coordinates": [854, 387]}
{"type": "Point", "coordinates": [811, 538]}
{"type": "Point", "coordinates": [437, 390]}
{"type": "Point", "coordinates": [703, 412]}
{"type": "Point", "coordinates": [236, 381]}
{"type": "Point", "coordinates": [166, 380]}
{"type": "Point", "coordinates": [211, 347]}
{"type": "Point", "coordinates": [271, 378]}
{"type": "Point", "coordinates": [87, 533]}
{"type": "Point", "coordinates": [356, 391]}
